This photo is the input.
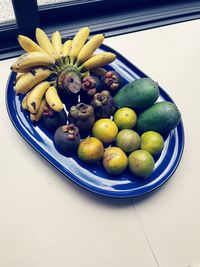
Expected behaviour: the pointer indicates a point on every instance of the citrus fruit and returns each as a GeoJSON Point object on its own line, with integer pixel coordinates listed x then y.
{"type": "Point", "coordinates": [90, 150]}
{"type": "Point", "coordinates": [114, 160]}
{"type": "Point", "coordinates": [152, 142]}
{"type": "Point", "coordinates": [141, 163]}
{"type": "Point", "coordinates": [105, 130]}
{"type": "Point", "coordinates": [128, 140]}
{"type": "Point", "coordinates": [125, 118]}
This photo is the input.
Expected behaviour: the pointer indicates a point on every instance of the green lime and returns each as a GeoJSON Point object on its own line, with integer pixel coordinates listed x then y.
{"type": "Point", "coordinates": [152, 142]}
{"type": "Point", "coordinates": [141, 163]}
{"type": "Point", "coordinates": [128, 140]}
{"type": "Point", "coordinates": [125, 118]}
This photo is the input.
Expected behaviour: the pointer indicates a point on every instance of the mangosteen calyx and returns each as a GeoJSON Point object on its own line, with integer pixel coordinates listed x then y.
{"type": "Point", "coordinates": [91, 84]}
{"type": "Point", "coordinates": [52, 119]}
{"type": "Point", "coordinates": [71, 130]}
{"type": "Point", "coordinates": [103, 105]}
{"type": "Point", "coordinates": [82, 116]}
{"type": "Point", "coordinates": [111, 80]}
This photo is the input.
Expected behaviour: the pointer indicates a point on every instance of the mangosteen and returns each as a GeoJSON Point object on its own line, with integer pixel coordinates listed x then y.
{"type": "Point", "coordinates": [67, 139]}
{"type": "Point", "coordinates": [111, 80]}
{"type": "Point", "coordinates": [103, 105]}
{"type": "Point", "coordinates": [91, 84]}
{"type": "Point", "coordinates": [82, 115]}
{"type": "Point", "coordinates": [52, 119]}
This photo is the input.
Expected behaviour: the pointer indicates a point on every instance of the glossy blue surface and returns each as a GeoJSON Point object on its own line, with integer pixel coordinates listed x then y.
{"type": "Point", "coordinates": [95, 178]}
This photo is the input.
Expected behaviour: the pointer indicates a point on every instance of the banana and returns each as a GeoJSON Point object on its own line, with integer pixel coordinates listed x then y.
{"type": "Point", "coordinates": [89, 48]}
{"type": "Point", "coordinates": [35, 97]}
{"type": "Point", "coordinates": [30, 60]}
{"type": "Point", "coordinates": [19, 75]}
{"type": "Point", "coordinates": [24, 106]}
{"type": "Point", "coordinates": [30, 79]}
{"type": "Point", "coordinates": [57, 43]}
{"type": "Point", "coordinates": [36, 117]}
{"type": "Point", "coordinates": [44, 42]}
{"type": "Point", "coordinates": [53, 99]}
{"type": "Point", "coordinates": [98, 61]}
{"type": "Point", "coordinates": [78, 42]}
{"type": "Point", "coordinates": [28, 45]}
{"type": "Point", "coordinates": [66, 48]}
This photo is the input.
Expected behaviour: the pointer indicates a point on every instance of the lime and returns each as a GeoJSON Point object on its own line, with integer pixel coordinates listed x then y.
{"type": "Point", "coordinates": [128, 140]}
{"type": "Point", "coordinates": [141, 163]}
{"type": "Point", "coordinates": [114, 160]}
{"type": "Point", "coordinates": [105, 130]}
{"type": "Point", "coordinates": [90, 150]}
{"type": "Point", "coordinates": [152, 142]}
{"type": "Point", "coordinates": [125, 118]}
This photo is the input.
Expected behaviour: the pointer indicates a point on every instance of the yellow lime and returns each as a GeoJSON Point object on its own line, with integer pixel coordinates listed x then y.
{"type": "Point", "coordinates": [90, 150]}
{"type": "Point", "coordinates": [125, 118]}
{"type": "Point", "coordinates": [114, 160]}
{"type": "Point", "coordinates": [105, 130]}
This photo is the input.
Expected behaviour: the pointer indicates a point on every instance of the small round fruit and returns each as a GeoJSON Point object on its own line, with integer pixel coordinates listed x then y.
{"type": "Point", "coordinates": [67, 138]}
{"type": "Point", "coordinates": [114, 160]}
{"type": "Point", "coordinates": [128, 140]}
{"type": "Point", "coordinates": [90, 150]}
{"type": "Point", "coordinates": [125, 118]}
{"type": "Point", "coordinates": [152, 142]}
{"type": "Point", "coordinates": [105, 130]}
{"type": "Point", "coordinates": [141, 163]}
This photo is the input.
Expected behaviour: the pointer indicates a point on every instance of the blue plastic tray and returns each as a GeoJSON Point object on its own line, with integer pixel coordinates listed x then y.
{"type": "Point", "coordinates": [95, 178]}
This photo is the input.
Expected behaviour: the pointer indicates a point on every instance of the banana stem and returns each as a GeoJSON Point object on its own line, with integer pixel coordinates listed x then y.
{"type": "Point", "coordinates": [52, 82]}
{"type": "Point", "coordinates": [87, 73]}
{"type": "Point", "coordinates": [71, 61]}
{"type": "Point", "coordinates": [66, 60]}
{"type": "Point", "coordinates": [80, 67]}
{"type": "Point", "coordinates": [77, 64]}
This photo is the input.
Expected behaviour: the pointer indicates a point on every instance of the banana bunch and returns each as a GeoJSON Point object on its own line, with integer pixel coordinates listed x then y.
{"type": "Point", "coordinates": [50, 66]}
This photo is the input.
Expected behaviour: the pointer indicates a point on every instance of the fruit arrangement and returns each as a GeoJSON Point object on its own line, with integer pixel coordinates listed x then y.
{"type": "Point", "coordinates": [91, 112]}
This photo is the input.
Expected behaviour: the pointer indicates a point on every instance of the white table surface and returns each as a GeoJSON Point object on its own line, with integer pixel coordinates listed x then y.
{"type": "Point", "coordinates": [48, 221]}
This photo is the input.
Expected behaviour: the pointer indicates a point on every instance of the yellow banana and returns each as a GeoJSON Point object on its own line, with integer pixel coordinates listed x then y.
{"type": "Point", "coordinates": [66, 48]}
{"type": "Point", "coordinates": [44, 42]}
{"type": "Point", "coordinates": [35, 97]}
{"type": "Point", "coordinates": [28, 45]}
{"type": "Point", "coordinates": [78, 42]}
{"type": "Point", "coordinates": [30, 79]}
{"type": "Point", "coordinates": [19, 75]}
{"type": "Point", "coordinates": [53, 99]}
{"type": "Point", "coordinates": [36, 117]}
{"type": "Point", "coordinates": [89, 48]}
{"type": "Point", "coordinates": [24, 106]}
{"type": "Point", "coordinates": [30, 60]}
{"type": "Point", "coordinates": [98, 61]}
{"type": "Point", "coordinates": [57, 43]}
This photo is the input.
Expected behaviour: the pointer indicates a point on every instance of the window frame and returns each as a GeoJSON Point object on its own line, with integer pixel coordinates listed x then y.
{"type": "Point", "coordinates": [107, 16]}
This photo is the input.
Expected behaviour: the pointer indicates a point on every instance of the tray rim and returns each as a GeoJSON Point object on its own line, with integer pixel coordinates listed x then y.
{"type": "Point", "coordinates": [68, 174]}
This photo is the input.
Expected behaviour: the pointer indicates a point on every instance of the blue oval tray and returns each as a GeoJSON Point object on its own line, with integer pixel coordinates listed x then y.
{"type": "Point", "coordinates": [95, 178]}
